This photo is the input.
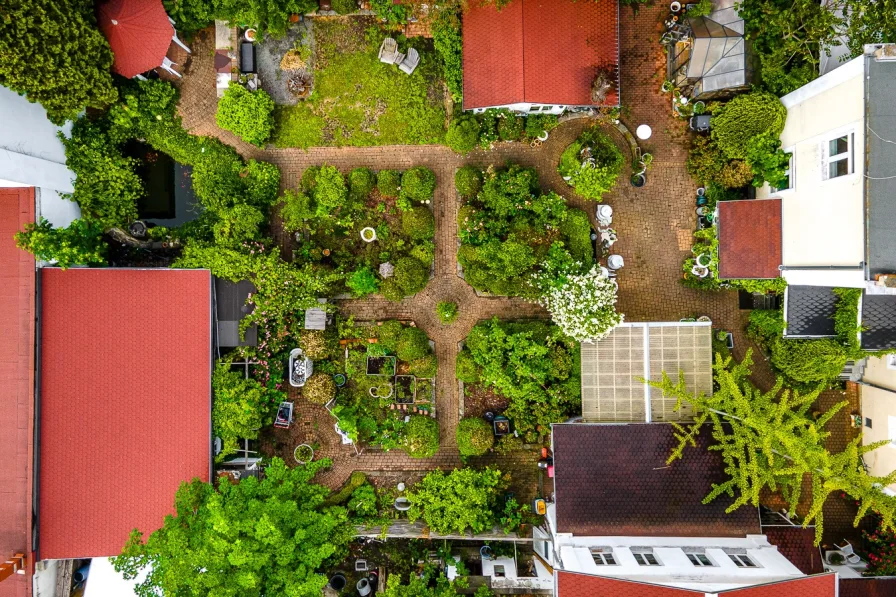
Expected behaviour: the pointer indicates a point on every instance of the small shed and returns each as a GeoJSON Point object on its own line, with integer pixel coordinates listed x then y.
{"type": "Point", "coordinates": [316, 318]}
{"type": "Point", "coordinates": [613, 370]}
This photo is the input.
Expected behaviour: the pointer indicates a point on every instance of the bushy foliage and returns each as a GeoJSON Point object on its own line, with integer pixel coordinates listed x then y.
{"type": "Point", "coordinates": [362, 282]}
{"type": "Point", "coordinates": [330, 192]}
{"type": "Point", "coordinates": [533, 364]}
{"type": "Point", "coordinates": [582, 306]}
{"type": "Point", "coordinates": [54, 54]}
{"type": "Point", "coordinates": [412, 344]}
{"type": "Point", "coordinates": [447, 311]}
{"type": "Point", "coordinates": [80, 243]}
{"type": "Point", "coordinates": [767, 160]}
{"type": "Point", "coordinates": [421, 437]}
{"type": "Point", "coordinates": [240, 406]}
{"type": "Point", "coordinates": [455, 502]}
{"type": "Point", "coordinates": [362, 504]}
{"type": "Point", "coordinates": [361, 182]}
{"type": "Point", "coordinates": [418, 223]}
{"type": "Point", "coordinates": [880, 546]}
{"type": "Point", "coordinates": [237, 225]}
{"type": "Point", "coordinates": [474, 436]}
{"type": "Point", "coordinates": [592, 163]}
{"type": "Point", "coordinates": [247, 114]}
{"type": "Point", "coordinates": [389, 12]}
{"type": "Point", "coordinates": [463, 133]}
{"type": "Point", "coordinates": [345, 7]}
{"type": "Point", "coordinates": [745, 117]}
{"type": "Point", "coordinates": [295, 209]}
{"type": "Point", "coordinates": [847, 320]}
{"type": "Point", "coordinates": [468, 181]}
{"type": "Point", "coordinates": [538, 124]}
{"type": "Point", "coordinates": [511, 127]}
{"type": "Point", "coordinates": [314, 344]}
{"type": "Point", "coordinates": [273, 17]}
{"type": "Point", "coordinates": [465, 368]}
{"type": "Point", "coordinates": [808, 361]}
{"type": "Point", "coordinates": [410, 276]}
{"type": "Point", "coordinates": [708, 164]}
{"type": "Point", "coordinates": [388, 183]}
{"type": "Point", "coordinates": [252, 538]}
{"type": "Point", "coordinates": [389, 333]}
{"type": "Point", "coordinates": [418, 184]}
{"type": "Point", "coordinates": [446, 37]}
{"type": "Point", "coordinates": [319, 388]}
{"type": "Point", "coordinates": [425, 367]}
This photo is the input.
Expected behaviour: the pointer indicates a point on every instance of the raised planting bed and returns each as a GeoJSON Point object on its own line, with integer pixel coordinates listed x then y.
{"type": "Point", "coordinates": [381, 366]}
{"type": "Point", "coordinates": [405, 389]}
{"type": "Point", "coordinates": [426, 391]}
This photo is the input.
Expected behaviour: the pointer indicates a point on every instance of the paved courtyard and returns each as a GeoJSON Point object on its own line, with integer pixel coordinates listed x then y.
{"type": "Point", "coordinates": [654, 224]}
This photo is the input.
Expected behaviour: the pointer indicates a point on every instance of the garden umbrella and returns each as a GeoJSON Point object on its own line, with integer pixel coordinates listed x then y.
{"type": "Point", "coordinates": [138, 32]}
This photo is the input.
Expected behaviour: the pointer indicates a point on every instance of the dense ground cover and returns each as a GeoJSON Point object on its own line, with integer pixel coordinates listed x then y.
{"type": "Point", "coordinates": [358, 100]}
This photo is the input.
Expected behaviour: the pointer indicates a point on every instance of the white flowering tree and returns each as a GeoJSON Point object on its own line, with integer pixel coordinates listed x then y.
{"type": "Point", "coordinates": [582, 305]}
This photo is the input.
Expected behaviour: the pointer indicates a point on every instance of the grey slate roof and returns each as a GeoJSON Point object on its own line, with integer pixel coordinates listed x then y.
{"type": "Point", "coordinates": [878, 321]}
{"type": "Point", "coordinates": [881, 220]}
{"type": "Point", "coordinates": [810, 310]}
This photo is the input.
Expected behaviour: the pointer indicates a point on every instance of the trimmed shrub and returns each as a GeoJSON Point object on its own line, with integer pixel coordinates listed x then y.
{"type": "Point", "coordinates": [361, 182]}
{"type": "Point", "coordinates": [447, 311]}
{"type": "Point", "coordinates": [413, 344]}
{"type": "Point", "coordinates": [388, 182]}
{"type": "Point", "coordinates": [591, 180]}
{"type": "Point", "coordinates": [744, 117]}
{"type": "Point", "coordinates": [463, 134]}
{"type": "Point", "coordinates": [465, 368]}
{"type": "Point", "coordinates": [577, 229]}
{"type": "Point", "coordinates": [319, 388]}
{"type": "Point", "coordinates": [309, 178]}
{"type": "Point", "coordinates": [421, 437]}
{"type": "Point", "coordinates": [410, 276]}
{"type": "Point", "coordinates": [468, 181]}
{"type": "Point", "coordinates": [474, 437]}
{"type": "Point", "coordinates": [418, 184]}
{"type": "Point", "coordinates": [314, 344]}
{"type": "Point", "coordinates": [538, 124]}
{"type": "Point", "coordinates": [424, 367]}
{"type": "Point", "coordinates": [510, 127]}
{"type": "Point", "coordinates": [362, 282]}
{"type": "Point", "coordinates": [295, 209]}
{"type": "Point", "coordinates": [388, 334]}
{"type": "Point", "coordinates": [391, 290]}
{"type": "Point", "coordinates": [247, 114]}
{"type": "Point", "coordinates": [345, 7]}
{"type": "Point", "coordinates": [418, 223]}
{"type": "Point", "coordinates": [708, 164]}
{"type": "Point", "coordinates": [330, 191]}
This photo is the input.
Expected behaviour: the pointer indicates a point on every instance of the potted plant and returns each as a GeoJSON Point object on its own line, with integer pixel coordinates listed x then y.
{"type": "Point", "coordinates": [339, 378]}
{"type": "Point", "coordinates": [699, 107]}
{"type": "Point", "coordinates": [303, 454]}
{"type": "Point", "coordinates": [835, 558]}
{"type": "Point", "coordinates": [368, 234]}
{"type": "Point", "coordinates": [667, 86]}
{"type": "Point", "coordinates": [251, 34]}
{"type": "Point", "coordinates": [383, 390]}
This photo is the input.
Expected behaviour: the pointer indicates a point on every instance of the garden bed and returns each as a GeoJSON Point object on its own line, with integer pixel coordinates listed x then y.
{"type": "Point", "coordinates": [361, 101]}
{"type": "Point", "coordinates": [479, 399]}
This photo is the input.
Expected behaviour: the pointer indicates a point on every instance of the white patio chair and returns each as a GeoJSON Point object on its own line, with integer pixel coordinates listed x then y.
{"type": "Point", "coordinates": [175, 39]}
{"type": "Point", "coordinates": [409, 64]}
{"type": "Point", "coordinates": [849, 553]}
{"type": "Point", "coordinates": [388, 49]}
{"type": "Point", "coordinates": [167, 64]}
{"type": "Point", "coordinates": [615, 262]}
{"type": "Point", "coordinates": [604, 214]}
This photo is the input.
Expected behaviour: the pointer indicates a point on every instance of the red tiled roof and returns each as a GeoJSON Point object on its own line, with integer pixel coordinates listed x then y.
{"type": "Point", "coordinates": [615, 494]}
{"type": "Point", "coordinates": [574, 584]}
{"type": "Point", "coordinates": [749, 238]}
{"type": "Point", "coordinates": [17, 380]}
{"type": "Point", "coordinates": [138, 32]}
{"type": "Point", "coordinates": [125, 416]}
{"type": "Point", "coordinates": [868, 587]}
{"type": "Point", "coordinates": [797, 545]}
{"type": "Point", "coordinates": [538, 51]}
{"type": "Point", "coordinates": [819, 585]}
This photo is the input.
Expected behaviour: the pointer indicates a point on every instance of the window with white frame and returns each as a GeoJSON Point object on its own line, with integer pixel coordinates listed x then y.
{"type": "Point", "coordinates": [742, 560]}
{"type": "Point", "coordinates": [603, 556]}
{"type": "Point", "coordinates": [699, 559]}
{"type": "Point", "coordinates": [789, 183]}
{"type": "Point", "coordinates": [645, 557]}
{"type": "Point", "coordinates": [838, 156]}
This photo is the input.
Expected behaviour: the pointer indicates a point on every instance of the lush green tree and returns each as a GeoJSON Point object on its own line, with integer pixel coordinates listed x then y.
{"type": "Point", "coordinates": [240, 406]}
{"type": "Point", "coordinates": [747, 116]}
{"type": "Point", "coordinates": [592, 164]}
{"type": "Point", "coordinates": [362, 282]}
{"type": "Point", "coordinates": [769, 441]}
{"type": "Point", "coordinates": [767, 160]}
{"type": "Point", "coordinates": [362, 504]}
{"type": "Point", "coordinates": [582, 305]}
{"type": "Point", "coordinates": [410, 276]}
{"type": "Point", "coordinates": [463, 133]}
{"type": "Point", "coordinates": [388, 183]}
{"type": "Point", "coordinates": [708, 164]}
{"type": "Point", "coordinates": [418, 184]}
{"type": "Point", "coordinates": [295, 209]}
{"type": "Point", "coordinates": [420, 438]}
{"type": "Point", "coordinates": [246, 539]}
{"type": "Point", "coordinates": [503, 191]}
{"type": "Point", "coordinates": [430, 584]}
{"type": "Point", "coordinates": [808, 361]}
{"type": "Point", "coordinates": [412, 344]}
{"type": "Point", "coordinates": [361, 182]}
{"type": "Point", "coordinates": [468, 181]}
{"type": "Point", "coordinates": [80, 243]}
{"type": "Point", "coordinates": [237, 225]}
{"type": "Point", "coordinates": [475, 436]}
{"type": "Point", "coordinates": [464, 499]}
{"type": "Point", "coordinates": [272, 17]}
{"type": "Point", "coordinates": [418, 223]}
{"type": "Point", "coordinates": [330, 191]}
{"type": "Point", "coordinates": [247, 114]}
{"type": "Point", "coordinates": [53, 52]}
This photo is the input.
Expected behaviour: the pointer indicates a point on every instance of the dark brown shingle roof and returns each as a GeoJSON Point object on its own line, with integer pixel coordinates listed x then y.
{"type": "Point", "coordinates": [613, 480]}
{"type": "Point", "coordinates": [797, 545]}
{"type": "Point", "coordinates": [749, 239]}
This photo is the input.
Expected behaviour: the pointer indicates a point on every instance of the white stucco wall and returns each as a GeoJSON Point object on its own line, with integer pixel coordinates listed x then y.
{"type": "Point", "coordinates": [879, 405]}
{"type": "Point", "coordinates": [32, 155]}
{"type": "Point", "coordinates": [823, 220]}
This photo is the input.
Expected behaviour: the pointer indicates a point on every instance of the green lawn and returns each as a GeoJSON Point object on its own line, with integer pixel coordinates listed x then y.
{"type": "Point", "coordinates": [358, 100]}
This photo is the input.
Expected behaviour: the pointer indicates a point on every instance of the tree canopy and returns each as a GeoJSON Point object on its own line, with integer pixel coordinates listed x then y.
{"type": "Point", "coordinates": [244, 539]}
{"type": "Point", "coordinates": [463, 499]}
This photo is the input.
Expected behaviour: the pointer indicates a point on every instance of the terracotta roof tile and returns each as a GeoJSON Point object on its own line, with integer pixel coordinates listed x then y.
{"type": "Point", "coordinates": [125, 402]}
{"type": "Point", "coordinates": [749, 238]}
{"type": "Point", "coordinates": [819, 585]}
{"type": "Point", "coordinates": [538, 51]}
{"type": "Point", "coordinates": [608, 477]}
{"type": "Point", "coordinates": [574, 584]}
{"type": "Point", "coordinates": [17, 377]}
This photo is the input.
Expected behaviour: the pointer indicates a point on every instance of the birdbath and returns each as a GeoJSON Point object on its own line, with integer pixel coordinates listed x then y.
{"type": "Point", "coordinates": [643, 132]}
{"type": "Point", "coordinates": [368, 235]}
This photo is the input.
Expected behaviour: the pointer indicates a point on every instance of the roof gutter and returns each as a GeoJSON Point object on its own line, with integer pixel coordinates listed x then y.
{"type": "Point", "coordinates": [849, 268]}
{"type": "Point", "coordinates": [35, 481]}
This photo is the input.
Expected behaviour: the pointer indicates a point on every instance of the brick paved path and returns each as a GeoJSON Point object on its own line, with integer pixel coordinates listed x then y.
{"type": "Point", "coordinates": [654, 224]}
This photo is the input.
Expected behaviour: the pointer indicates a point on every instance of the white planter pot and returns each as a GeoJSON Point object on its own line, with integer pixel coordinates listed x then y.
{"type": "Point", "coordinates": [368, 235]}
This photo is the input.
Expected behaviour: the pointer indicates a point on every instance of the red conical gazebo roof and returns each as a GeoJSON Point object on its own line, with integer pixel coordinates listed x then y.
{"type": "Point", "coordinates": [139, 34]}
